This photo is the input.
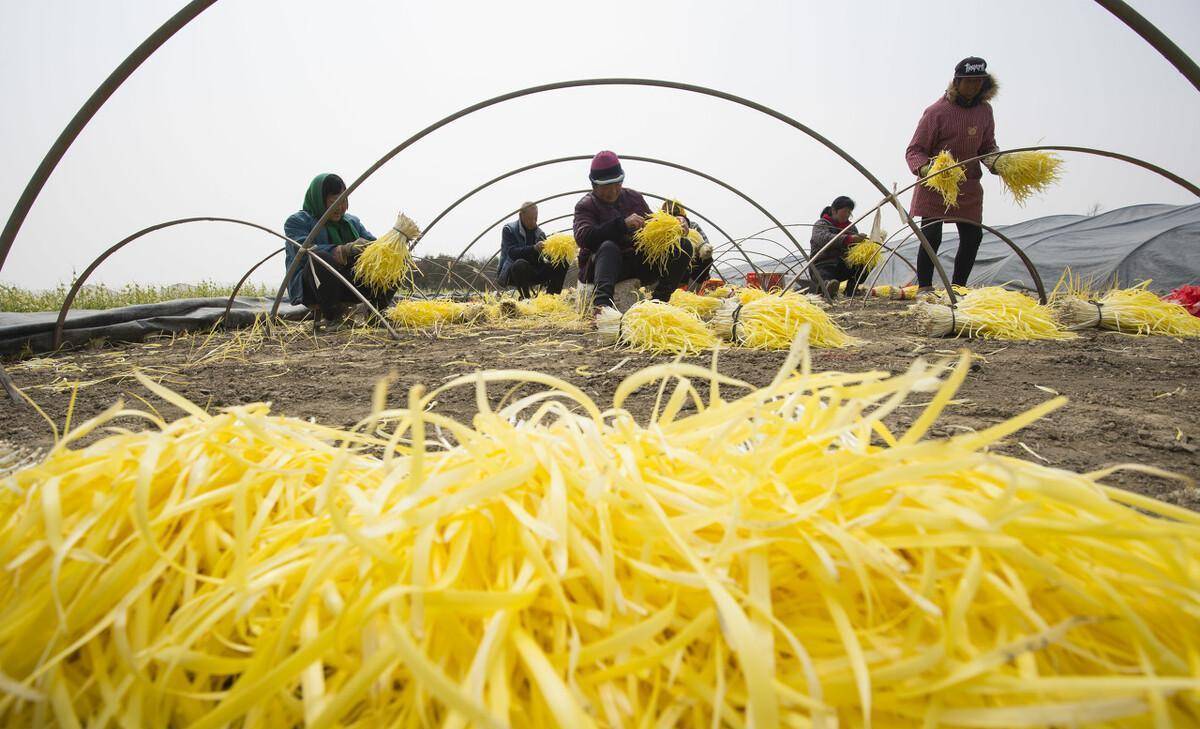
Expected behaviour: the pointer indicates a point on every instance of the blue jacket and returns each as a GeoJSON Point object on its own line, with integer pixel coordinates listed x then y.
{"type": "Point", "coordinates": [297, 227]}
{"type": "Point", "coordinates": [516, 245]}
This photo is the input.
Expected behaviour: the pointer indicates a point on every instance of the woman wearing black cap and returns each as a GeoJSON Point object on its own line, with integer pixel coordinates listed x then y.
{"type": "Point", "coordinates": [830, 261]}
{"type": "Point", "coordinates": [961, 123]}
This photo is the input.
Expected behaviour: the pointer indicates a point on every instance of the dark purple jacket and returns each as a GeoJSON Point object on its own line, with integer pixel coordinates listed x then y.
{"type": "Point", "coordinates": [596, 222]}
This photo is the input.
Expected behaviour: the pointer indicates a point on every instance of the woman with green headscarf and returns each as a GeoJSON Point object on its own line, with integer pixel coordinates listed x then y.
{"type": "Point", "coordinates": [337, 243]}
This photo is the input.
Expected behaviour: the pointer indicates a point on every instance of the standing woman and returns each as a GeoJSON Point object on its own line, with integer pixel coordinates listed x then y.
{"type": "Point", "coordinates": [961, 123]}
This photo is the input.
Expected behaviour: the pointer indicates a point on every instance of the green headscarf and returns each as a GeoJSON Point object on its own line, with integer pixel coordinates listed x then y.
{"type": "Point", "coordinates": [339, 232]}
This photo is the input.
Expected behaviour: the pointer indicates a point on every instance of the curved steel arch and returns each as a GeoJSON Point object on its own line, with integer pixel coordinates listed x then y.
{"type": "Point", "coordinates": [581, 157]}
{"type": "Point", "coordinates": [242, 282]}
{"type": "Point", "coordinates": [542, 88]}
{"type": "Point", "coordinates": [893, 197]}
{"type": "Point", "coordinates": [245, 277]}
{"type": "Point", "coordinates": [87, 272]}
{"type": "Point", "coordinates": [1156, 38]}
{"type": "Point", "coordinates": [697, 213]}
{"type": "Point", "coordinates": [792, 267]}
{"type": "Point", "coordinates": [1033, 272]}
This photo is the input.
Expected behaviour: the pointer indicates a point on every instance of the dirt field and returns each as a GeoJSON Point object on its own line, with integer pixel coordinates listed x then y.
{"type": "Point", "coordinates": [1133, 399]}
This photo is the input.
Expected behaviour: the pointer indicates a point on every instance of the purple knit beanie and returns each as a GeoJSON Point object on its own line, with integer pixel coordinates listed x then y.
{"type": "Point", "coordinates": [606, 169]}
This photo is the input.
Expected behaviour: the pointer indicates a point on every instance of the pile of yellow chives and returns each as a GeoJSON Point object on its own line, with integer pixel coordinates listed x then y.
{"type": "Point", "coordinates": [865, 254]}
{"type": "Point", "coordinates": [767, 557]}
{"type": "Point", "coordinates": [946, 178]}
{"type": "Point", "coordinates": [773, 321]}
{"type": "Point", "coordinates": [659, 239]}
{"type": "Point", "coordinates": [656, 326]}
{"type": "Point", "coordinates": [426, 313]}
{"type": "Point", "coordinates": [387, 263]}
{"type": "Point", "coordinates": [991, 312]}
{"type": "Point", "coordinates": [560, 249]}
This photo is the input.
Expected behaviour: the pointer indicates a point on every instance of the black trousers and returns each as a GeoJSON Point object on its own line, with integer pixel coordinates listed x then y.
{"type": "Point", "coordinates": [524, 275]}
{"type": "Point", "coordinates": [835, 270]}
{"type": "Point", "coordinates": [330, 295]}
{"type": "Point", "coordinates": [969, 237]}
{"type": "Point", "coordinates": [611, 264]}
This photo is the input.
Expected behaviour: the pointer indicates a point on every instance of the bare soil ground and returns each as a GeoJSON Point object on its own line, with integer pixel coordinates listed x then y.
{"type": "Point", "coordinates": [1132, 399]}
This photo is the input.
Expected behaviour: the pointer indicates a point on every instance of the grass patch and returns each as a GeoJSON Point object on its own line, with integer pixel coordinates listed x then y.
{"type": "Point", "coordinates": [99, 296]}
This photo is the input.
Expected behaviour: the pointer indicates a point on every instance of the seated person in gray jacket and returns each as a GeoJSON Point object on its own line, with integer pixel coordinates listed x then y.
{"type": "Point", "coordinates": [521, 264]}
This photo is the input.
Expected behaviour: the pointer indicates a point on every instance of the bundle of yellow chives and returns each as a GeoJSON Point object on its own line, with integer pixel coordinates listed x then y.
{"type": "Point", "coordinates": [560, 249]}
{"type": "Point", "coordinates": [1027, 173]}
{"type": "Point", "coordinates": [720, 292]}
{"type": "Point", "coordinates": [386, 263]}
{"type": "Point", "coordinates": [696, 239]}
{"type": "Point", "coordinates": [654, 326]}
{"type": "Point", "coordinates": [702, 306]}
{"type": "Point", "coordinates": [989, 313]}
{"type": "Point", "coordinates": [865, 254]}
{"type": "Point", "coordinates": [946, 178]}
{"type": "Point", "coordinates": [659, 239]}
{"type": "Point", "coordinates": [905, 292]}
{"type": "Point", "coordinates": [773, 321]}
{"type": "Point", "coordinates": [882, 292]}
{"type": "Point", "coordinates": [426, 313]}
{"type": "Point", "coordinates": [1132, 310]}
{"type": "Point", "coordinates": [774, 557]}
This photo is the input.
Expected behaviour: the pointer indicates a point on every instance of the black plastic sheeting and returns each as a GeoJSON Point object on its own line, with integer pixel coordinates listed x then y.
{"type": "Point", "coordinates": [34, 332]}
{"type": "Point", "coordinates": [1128, 245]}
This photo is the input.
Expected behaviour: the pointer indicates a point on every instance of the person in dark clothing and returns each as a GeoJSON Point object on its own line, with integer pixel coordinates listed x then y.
{"type": "Point", "coordinates": [961, 123]}
{"type": "Point", "coordinates": [830, 263]}
{"type": "Point", "coordinates": [337, 243]}
{"type": "Point", "coordinates": [521, 264]}
{"type": "Point", "coordinates": [702, 256]}
{"type": "Point", "coordinates": [605, 221]}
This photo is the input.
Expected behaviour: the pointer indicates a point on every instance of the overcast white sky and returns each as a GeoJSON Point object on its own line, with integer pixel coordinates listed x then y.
{"type": "Point", "coordinates": [240, 109]}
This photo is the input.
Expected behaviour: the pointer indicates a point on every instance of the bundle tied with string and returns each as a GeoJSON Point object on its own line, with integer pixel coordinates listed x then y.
{"type": "Point", "coordinates": [989, 313]}
{"type": "Point", "coordinates": [430, 313]}
{"type": "Point", "coordinates": [777, 556]}
{"type": "Point", "coordinates": [1134, 310]}
{"type": "Point", "coordinates": [657, 327]}
{"type": "Point", "coordinates": [384, 264]}
{"type": "Point", "coordinates": [773, 321]}
{"type": "Point", "coordinates": [946, 178]}
{"type": "Point", "coordinates": [560, 249]}
{"type": "Point", "coordinates": [659, 239]}
{"type": "Point", "coordinates": [1025, 174]}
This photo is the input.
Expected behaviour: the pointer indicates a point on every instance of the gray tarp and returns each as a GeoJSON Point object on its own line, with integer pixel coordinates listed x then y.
{"type": "Point", "coordinates": [1131, 244]}
{"type": "Point", "coordinates": [35, 331]}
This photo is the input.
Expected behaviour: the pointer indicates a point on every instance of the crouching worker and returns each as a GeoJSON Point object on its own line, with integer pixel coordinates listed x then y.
{"type": "Point", "coordinates": [702, 252]}
{"type": "Point", "coordinates": [605, 222]}
{"type": "Point", "coordinates": [521, 263]}
{"type": "Point", "coordinates": [830, 263]}
{"type": "Point", "coordinates": [338, 244]}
